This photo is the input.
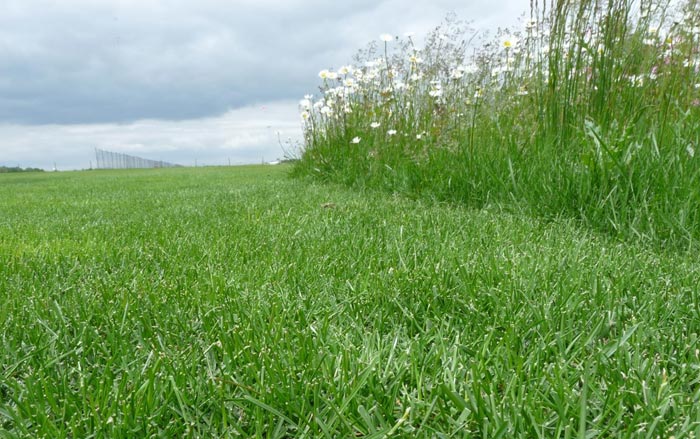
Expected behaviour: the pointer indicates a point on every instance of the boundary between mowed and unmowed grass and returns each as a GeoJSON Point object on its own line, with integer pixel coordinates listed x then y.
{"type": "Point", "coordinates": [226, 302]}
{"type": "Point", "coordinates": [513, 257]}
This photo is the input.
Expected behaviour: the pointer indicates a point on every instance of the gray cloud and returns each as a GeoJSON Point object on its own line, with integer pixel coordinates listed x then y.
{"type": "Point", "coordinates": [82, 61]}
{"type": "Point", "coordinates": [244, 135]}
{"type": "Point", "coordinates": [110, 62]}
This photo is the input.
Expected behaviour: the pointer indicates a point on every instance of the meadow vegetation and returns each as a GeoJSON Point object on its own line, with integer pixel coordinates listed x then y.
{"type": "Point", "coordinates": [589, 112]}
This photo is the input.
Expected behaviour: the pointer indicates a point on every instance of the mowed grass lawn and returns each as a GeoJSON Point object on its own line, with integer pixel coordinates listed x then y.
{"type": "Point", "coordinates": [237, 302]}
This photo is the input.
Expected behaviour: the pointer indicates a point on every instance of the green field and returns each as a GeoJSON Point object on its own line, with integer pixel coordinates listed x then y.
{"type": "Point", "coordinates": [237, 302]}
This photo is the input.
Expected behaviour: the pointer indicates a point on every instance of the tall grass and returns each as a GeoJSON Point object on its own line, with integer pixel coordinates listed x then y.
{"type": "Point", "coordinates": [591, 111]}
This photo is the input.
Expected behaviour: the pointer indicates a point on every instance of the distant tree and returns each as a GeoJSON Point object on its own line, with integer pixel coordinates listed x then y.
{"type": "Point", "coordinates": [8, 169]}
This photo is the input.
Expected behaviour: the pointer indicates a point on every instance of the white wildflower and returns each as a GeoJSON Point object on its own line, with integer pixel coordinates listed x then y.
{"type": "Point", "coordinates": [636, 80]}
{"type": "Point", "coordinates": [355, 140]}
{"type": "Point", "coordinates": [375, 124]}
{"type": "Point", "coordinates": [470, 69]}
{"type": "Point", "coordinates": [509, 42]}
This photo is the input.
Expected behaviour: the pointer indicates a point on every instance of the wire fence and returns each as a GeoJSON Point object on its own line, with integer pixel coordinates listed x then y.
{"type": "Point", "coordinates": [117, 160]}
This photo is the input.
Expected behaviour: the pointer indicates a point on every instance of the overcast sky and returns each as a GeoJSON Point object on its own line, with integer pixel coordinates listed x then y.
{"type": "Point", "coordinates": [215, 81]}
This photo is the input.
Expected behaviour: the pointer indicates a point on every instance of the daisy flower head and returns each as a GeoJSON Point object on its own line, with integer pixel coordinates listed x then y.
{"type": "Point", "coordinates": [305, 104]}
{"type": "Point", "coordinates": [509, 42]}
{"type": "Point", "coordinates": [355, 140]}
{"type": "Point", "coordinates": [653, 75]}
{"type": "Point", "coordinates": [387, 38]}
{"type": "Point", "coordinates": [415, 59]}
{"type": "Point", "coordinates": [391, 132]}
{"type": "Point", "coordinates": [344, 70]}
{"type": "Point", "coordinates": [375, 125]}
{"type": "Point", "coordinates": [470, 69]}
